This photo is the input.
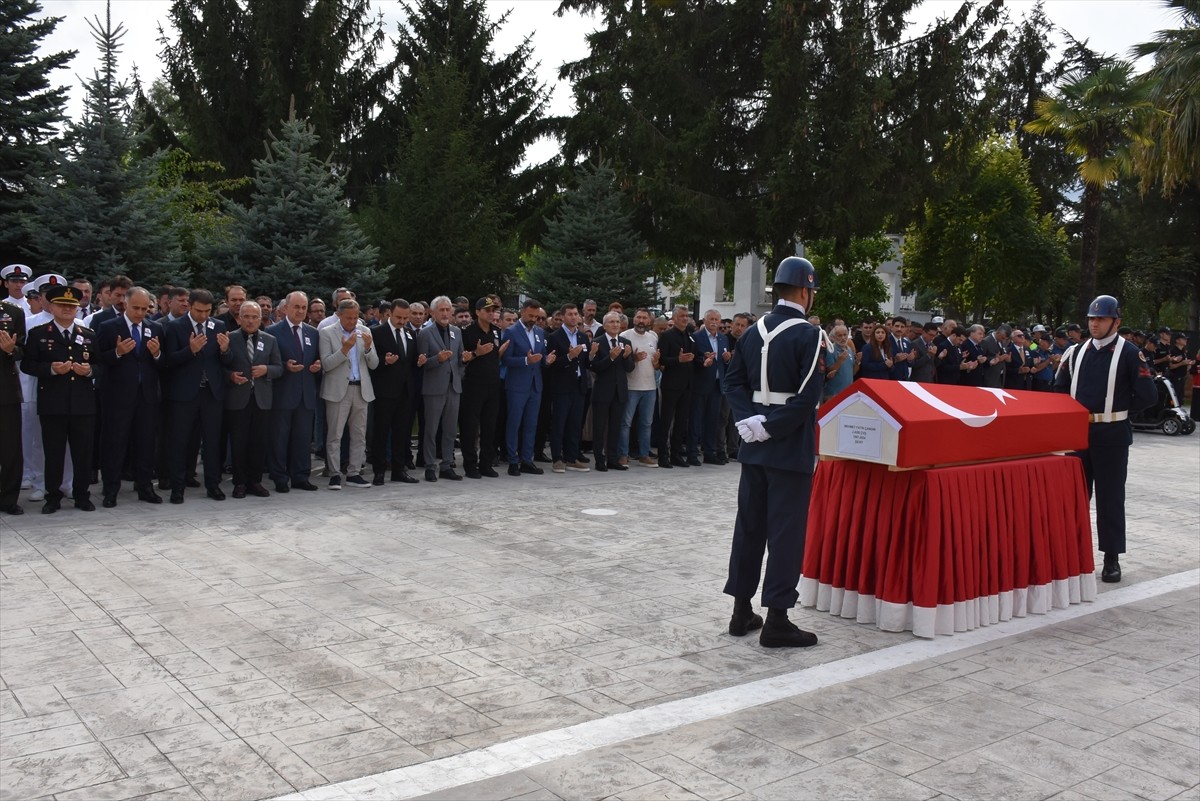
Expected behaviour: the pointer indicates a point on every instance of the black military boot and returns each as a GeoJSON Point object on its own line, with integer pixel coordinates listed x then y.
{"type": "Point", "coordinates": [744, 620]}
{"type": "Point", "coordinates": [1112, 569]}
{"type": "Point", "coordinates": [779, 632]}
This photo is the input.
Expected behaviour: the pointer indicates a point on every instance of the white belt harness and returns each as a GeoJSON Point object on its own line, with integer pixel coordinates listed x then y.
{"type": "Point", "coordinates": [1108, 415]}
{"type": "Point", "coordinates": [765, 396]}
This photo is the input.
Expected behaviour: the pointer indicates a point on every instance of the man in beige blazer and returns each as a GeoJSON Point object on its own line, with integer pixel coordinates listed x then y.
{"type": "Point", "coordinates": [347, 357]}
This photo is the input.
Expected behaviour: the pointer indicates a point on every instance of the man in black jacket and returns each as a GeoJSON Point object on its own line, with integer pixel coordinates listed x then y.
{"type": "Point", "coordinates": [481, 392]}
{"type": "Point", "coordinates": [392, 380]}
{"type": "Point", "coordinates": [676, 352]}
{"type": "Point", "coordinates": [12, 348]}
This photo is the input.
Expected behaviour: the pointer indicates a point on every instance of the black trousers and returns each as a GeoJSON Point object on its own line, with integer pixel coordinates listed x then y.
{"type": "Point", "coordinates": [607, 418]}
{"type": "Point", "coordinates": [59, 430]}
{"type": "Point", "coordinates": [290, 457]}
{"type": "Point", "coordinates": [772, 516]}
{"type": "Point", "coordinates": [249, 428]}
{"type": "Point", "coordinates": [203, 412]}
{"type": "Point", "coordinates": [416, 414]}
{"type": "Point", "coordinates": [673, 426]}
{"type": "Point", "coordinates": [12, 458]}
{"type": "Point", "coordinates": [1105, 467]}
{"type": "Point", "coordinates": [477, 414]}
{"type": "Point", "coordinates": [391, 415]}
{"type": "Point", "coordinates": [128, 432]}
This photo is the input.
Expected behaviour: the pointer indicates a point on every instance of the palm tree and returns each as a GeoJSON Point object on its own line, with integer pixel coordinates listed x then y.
{"type": "Point", "coordinates": [1172, 151]}
{"type": "Point", "coordinates": [1099, 113]}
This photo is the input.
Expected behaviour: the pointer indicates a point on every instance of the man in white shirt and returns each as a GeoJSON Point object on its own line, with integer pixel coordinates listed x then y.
{"type": "Point", "coordinates": [643, 390]}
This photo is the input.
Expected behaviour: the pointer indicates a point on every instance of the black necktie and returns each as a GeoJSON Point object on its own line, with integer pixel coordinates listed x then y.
{"type": "Point", "coordinates": [296, 334]}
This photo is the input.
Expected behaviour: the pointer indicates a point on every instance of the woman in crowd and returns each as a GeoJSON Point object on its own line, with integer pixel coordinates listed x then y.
{"type": "Point", "coordinates": [839, 370]}
{"type": "Point", "coordinates": [876, 355]}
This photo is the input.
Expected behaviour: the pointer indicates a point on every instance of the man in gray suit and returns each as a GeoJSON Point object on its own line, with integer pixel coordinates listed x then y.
{"type": "Point", "coordinates": [347, 357]}
{"type": "Point", "coordinates": [253, 365]}
{"type": "Point", "coordinates": [441, 386]}
{"type": "Point", "coordinates": [995, 347]}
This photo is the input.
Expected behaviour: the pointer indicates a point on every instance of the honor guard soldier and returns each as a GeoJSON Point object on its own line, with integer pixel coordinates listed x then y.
{"type": "Point", "coordinates": [60, 355]}
{"type": "Point", "coordinates": [1111, 378]}
{"type": "Point", "coordinates": [773, 386]}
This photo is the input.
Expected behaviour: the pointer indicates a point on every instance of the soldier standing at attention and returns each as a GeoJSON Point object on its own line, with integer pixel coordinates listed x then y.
{"type": "Point", "coordinates": [1111, 378]}
{"type": "Point", "coordinates": [773, 386]}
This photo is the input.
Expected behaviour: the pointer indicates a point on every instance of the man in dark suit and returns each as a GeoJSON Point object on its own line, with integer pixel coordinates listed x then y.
{"type": "Point", "coordinates": [235, 296]}
{"type": "Point", "coordinates": [713, 350]}
{"type": "Point", "coordinates": [611, 361]}
{"type": "Point", "coordinates": [481, 392]}
{"type": "Point", "coordinates": [118, 289]}
{"type": "Point", "coordinates": [195, 350]}
{"type": "Point", "coordinates": [676, 355]}
{"type": "Point", "coordinates": [902, 352]}
{"type": "Point", "coordinates": [924, 360]}
{"type": "Point", "coordinates": [12, 348]}
{"type": "Point", "coordinates": [441, 387]}
{"type": "Point", "coordinates": [294, 398]}
{"type": "Point", "coordinates": [995, 347]}
{"type": "Point", "coordinates": [61, 354]}
{"type": "Point", "coordinates": [776, 418]}
{"type": "Point", "coordinates": [253, 365]}
{"type": "Point", "coordinates": [398, 362]}
{"type": "Point", "coordinates": [130, 348]}
{"type": "Point", "coordinates": [523, 387]}
{"type": "Point", "coordinates": [567, 383]}
{"type": "Point", "coordinates": [972, 353]}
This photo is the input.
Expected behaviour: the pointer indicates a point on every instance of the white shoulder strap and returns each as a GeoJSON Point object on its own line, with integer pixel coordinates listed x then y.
{"type": "Point", "coordinates": [764, 395]}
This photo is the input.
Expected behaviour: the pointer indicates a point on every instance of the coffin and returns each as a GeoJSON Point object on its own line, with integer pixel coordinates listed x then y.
{"type": "Point", "coordinates": [905, 424]}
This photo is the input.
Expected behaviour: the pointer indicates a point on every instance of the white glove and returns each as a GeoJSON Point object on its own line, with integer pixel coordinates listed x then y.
{"type": "Point", "coordinates": [752, 429]}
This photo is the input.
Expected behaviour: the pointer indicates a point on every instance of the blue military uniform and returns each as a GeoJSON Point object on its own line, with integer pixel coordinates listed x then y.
{"type": "Point", "coordinates": [1086, 373]}
{"type": "Point", "coordinates": [776, 479]}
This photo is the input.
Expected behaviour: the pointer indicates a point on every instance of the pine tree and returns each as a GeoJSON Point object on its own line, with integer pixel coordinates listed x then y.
{"type": "Point", "coordinates": [105, 213]}
{"type": "Point", "coordinates": [438, 218]}
{"type": "Point", "coordinates": [297, 232]}
{"type": "Point", "coordinates": [591, 250]}
{"type": "Point", "coordinates": [30, 111]}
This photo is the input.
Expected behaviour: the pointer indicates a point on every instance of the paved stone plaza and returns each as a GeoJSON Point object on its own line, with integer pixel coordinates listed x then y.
{"type": "Point", "coordinates": [390, 642]}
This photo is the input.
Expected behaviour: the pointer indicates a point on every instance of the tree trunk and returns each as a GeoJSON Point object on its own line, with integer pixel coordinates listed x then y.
{"type": "Point", "coordinates": [1089, 251]}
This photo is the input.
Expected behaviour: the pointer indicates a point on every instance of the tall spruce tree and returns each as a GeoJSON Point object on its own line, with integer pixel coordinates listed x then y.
{"type": "Point", "coordinates": [439, 218]}
{"type": "Point", "coordinates": [591, 249]}
{"type": "Point", "coordinates": [31, 110]}
{"type": "Point", "coordinates": [105, 212]}
{"type": "Point", "coordinates": [297, 232]}
{"type": "Point", "coordinates": [239, 66]}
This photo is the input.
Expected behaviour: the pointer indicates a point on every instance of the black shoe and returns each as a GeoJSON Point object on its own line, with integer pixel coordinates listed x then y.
{"type": "Point", "coordinates": [430, 474]}
{"type": "Point", "coordinates": [357, 482]}
{"type": "Point", "coordinates": [284, 488]}
{"type": "Point", "coordinates": [335, 483]}
{"type": "Point", "coordinates": [306, 486]}
{"type": "Point", "coordinates": [541, 457]}
{"type": "Point", "coordinates": [216, 494]}
{"type": "Point", "coordinates": [514, 469]}
{"type": "Point", "coordinates": [614, 466]}
{"type": "Point", "coordinates": [410, 465]}
{"type": "Point", "coordinates": [666, 465]}
{"type": "Point", "coordinates": [689, 462]}
{"type": "Point", "coordinates": [779, 632]}
{"type": "Point", "coordinates": [489, 472]}
{"type": "Point", "coordinates": [1111, 573]}
{"type": "Point", "coordinates": [176, 496]}
{"type": "Point", "coordinates": [239, 491]}
{"type": "Point", "coordinates": [582, 458]}
{"type": "Point", "coordinates": [744, 620]}
{"type": "Point", "coordinates": [258, 491]}
{"type": "Point", "coordinates": [450, 475]}
{"type": "Point", "coordinates": [531, 469]}
{"type": "Point", "coordinates": [379, 479]}
{"type": "Point", "coordinates": [193, 483]}
{"type": "Point", "coordinates": [86, 505]}
{"type": "Point", "coordinates": [712, 459]}
{"type": "Point", "coordinates": [474, 474]}
{"type": "Point", "coordinates": [164, 485]}
{"type": "Point", "coordinates": [109, 501]}
{"type": "Point", "coordinates": [402, 477]}
{"type": "Point", "coordinates": [50, 507]}
{"type": "Point", "coordinates": [602, 467]}
{"type": "Point", "coordinates": [149, 496]}
{"type": "Point", "coordinates": [12, 509]}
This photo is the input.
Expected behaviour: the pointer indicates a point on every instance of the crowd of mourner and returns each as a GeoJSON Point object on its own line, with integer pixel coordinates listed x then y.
{"type": "Point", "coordinates": [172, 388]}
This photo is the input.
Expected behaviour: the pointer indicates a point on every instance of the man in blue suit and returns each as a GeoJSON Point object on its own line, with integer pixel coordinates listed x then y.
{"type": "Point", "coordinates": [902, 350]}
{"type": "Point", "coordinates": [523, 361]}
{"type": "Point", "coordinates": [195, 351]}
{"type": "Point", "coordinates": [294, 406]}
{"type": "Point", "coordinates": [714, 355]}
{"type": "Point", "coordinates": [130, 348]}
{"type": "Point", "coordinates": [775, 409]}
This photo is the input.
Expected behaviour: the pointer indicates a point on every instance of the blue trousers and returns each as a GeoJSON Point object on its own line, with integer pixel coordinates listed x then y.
{"type": "Point", "coordinates": [772, 516]}
{"type": "Point", "coordinates": [566, 426]}
{"type": "Point", "coordinates": [523, 406]}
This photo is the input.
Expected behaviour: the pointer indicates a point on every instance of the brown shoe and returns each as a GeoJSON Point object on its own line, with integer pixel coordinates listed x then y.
{"type": "Point", "coordinates": [580, 466]}
{"type": "Point", "coordinates": [623, 461]}
{"type": "Point", "coordinates": [646, 461]}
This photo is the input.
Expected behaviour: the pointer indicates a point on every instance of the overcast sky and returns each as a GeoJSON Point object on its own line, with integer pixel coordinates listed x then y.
{"type": "Point", "coordinates": [1111, 26]}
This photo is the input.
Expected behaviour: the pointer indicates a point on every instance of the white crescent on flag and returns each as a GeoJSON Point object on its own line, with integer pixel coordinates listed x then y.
{"type": "Point", "coordinates": [972, 420]}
